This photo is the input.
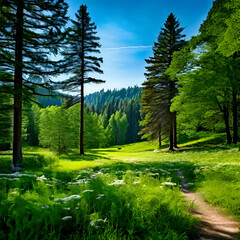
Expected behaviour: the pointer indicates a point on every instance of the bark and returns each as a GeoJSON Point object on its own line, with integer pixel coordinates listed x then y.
{"type": "Point", "coordinates": [227, 128]}
{"type": "Point", "coordinates": [172, 91]}
{"type": "Point", "coordinates": [82, 121]}
{"type": "Point", "coordinates": [82, 95]}
{"type": "Point", "coordinates": [175, 130]}
{"type": "Point", "coordinates": [235, 117]}
{"type": "Point", "coordinates": [160, 137]}
{"type": "Point", "coordinates": [17, 122]}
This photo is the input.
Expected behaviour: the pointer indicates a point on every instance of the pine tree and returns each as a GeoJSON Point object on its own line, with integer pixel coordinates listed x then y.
{"type": "Point", "coordinates": [31, 32]}
{"type": "Point", "coordinates": [80, 43]}
{"type": "Point", "coordinates": [158, 89]}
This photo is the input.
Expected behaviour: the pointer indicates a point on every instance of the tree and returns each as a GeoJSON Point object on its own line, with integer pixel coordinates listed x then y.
{"type": "Point", "coordinates": [80, 42]}
{"type": "Point", "coordinates": [205, 92]}
{"type": "Point", "coordinates": [133, 117]}
{"type": "Point", "coordinates": [117, 128]}
{"type": "Point", "coordinates": [220, 33]}
{"type": "Point", "coordinates": [159, 89]}
{"type": "Point", "coordinates": [54, 132]}
{"type": "Point", "coordinates": [31, 32]}
{"type": "Point", "coordinates": [94, 132]}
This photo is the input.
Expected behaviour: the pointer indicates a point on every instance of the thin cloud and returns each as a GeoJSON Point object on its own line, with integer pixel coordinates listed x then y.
{"type": "Point", "coordinates": [128, 47]}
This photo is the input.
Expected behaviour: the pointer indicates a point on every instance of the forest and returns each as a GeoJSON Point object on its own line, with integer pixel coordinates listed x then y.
{"type": "Point", "coordinates": [137, 162]}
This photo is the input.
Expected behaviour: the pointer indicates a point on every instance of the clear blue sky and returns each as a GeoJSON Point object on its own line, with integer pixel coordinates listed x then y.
{"type": "Point", "coordinates": [129, 28]}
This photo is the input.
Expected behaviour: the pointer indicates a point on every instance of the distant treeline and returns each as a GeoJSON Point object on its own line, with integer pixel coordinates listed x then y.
{"type": "Point", "coordinates": [100, 99]}
{"type": "Point", "coordinates": [52, 125]}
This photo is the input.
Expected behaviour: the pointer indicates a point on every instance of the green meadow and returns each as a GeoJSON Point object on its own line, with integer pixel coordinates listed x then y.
{"type": "Point", "coordinates": [124, 192]}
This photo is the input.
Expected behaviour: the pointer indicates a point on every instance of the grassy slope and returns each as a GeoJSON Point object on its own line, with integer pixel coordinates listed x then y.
{"type": "Point", "coordinates": [131, 209]}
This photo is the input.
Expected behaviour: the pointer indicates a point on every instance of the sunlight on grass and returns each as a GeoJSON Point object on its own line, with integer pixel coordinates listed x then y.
{"type": "Point", "coordinates": [128, 188]}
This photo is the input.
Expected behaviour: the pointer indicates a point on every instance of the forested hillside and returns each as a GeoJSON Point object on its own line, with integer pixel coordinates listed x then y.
{"type": "Point", "coordinates": [51, 98]}
{"type": "Point", "coordinates": [99, 99]}
{"type": "Point", "coordinates": [125, 101]}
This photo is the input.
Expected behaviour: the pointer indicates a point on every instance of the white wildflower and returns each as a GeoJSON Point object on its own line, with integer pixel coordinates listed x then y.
{"type": "Point", "coordinates": [87, 190]}
{"type": "Point", "coordinates": [67, 208]}
{"type": "Point", "coordinates": [45, 206]}
{"type": "Point", "coordinates": [66, 199]}
{"type": "Point", "coordinates": [99, 196]}
{"type": "Point", "coordinates": [66, 218]}
{"type": "Point", "coordinates": [137, 182]}
{"type": "Point", "coordinates": [42, 178]}
{"type": "Point", "coordinates": [169, 184]}
{"type": "Point", "coordinates": [16, 174]}
{"type": "Point", "coordinates": [117, 182]}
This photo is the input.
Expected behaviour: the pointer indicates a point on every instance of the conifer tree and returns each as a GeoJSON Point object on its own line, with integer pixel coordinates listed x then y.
{"type": "Point", "coordinates": [158, 89]}
{"type": "Point", "coordinates": [80, 43]}
{"type": "Point", "coordinates": [31, 31]}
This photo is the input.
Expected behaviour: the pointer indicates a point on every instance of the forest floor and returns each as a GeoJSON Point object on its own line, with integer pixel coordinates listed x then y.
{"type": "Point", "coordinates": [126, 192]}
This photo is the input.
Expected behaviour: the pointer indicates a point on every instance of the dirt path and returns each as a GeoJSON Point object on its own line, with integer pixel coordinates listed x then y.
{"type": "Point", "coordinates": [214, 225]}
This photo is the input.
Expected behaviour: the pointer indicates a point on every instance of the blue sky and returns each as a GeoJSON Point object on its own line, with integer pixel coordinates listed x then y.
{"type": "Point", "coordinates": [129, 28]}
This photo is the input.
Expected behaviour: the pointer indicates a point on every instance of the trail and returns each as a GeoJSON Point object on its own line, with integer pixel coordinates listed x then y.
{"type": "Point", "coordinates": [214, 225]}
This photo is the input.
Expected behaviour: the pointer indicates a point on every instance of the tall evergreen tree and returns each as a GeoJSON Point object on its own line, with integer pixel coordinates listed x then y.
{"type": "Point", "coordinates": [159, 89]}
{"type": "Point", "coordinates": [31, 31]}
{"type": "Point", "coordinates": [80, 43]}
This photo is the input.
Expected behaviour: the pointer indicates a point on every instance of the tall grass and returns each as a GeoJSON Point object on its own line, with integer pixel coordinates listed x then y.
{"type": "Point", "coordinates": [102, 204]}
{"type": "Point", "coordinates": [127, 193]}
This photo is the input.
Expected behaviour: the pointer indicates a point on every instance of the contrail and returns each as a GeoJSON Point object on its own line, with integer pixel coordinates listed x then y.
{"type": "Point", "coordinates": [127, 47]}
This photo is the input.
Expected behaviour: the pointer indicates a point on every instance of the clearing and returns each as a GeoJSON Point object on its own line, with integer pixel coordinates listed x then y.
{"type": "Point", "coordinates": [128, 193]}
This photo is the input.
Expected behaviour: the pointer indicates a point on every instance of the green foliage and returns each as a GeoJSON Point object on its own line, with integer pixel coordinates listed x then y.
{"type": "Point", "coordinates": [210, 62]}
{"type": "Point", "coordinates": [55, 133]}
{"type": "Point", "coordinates": [59, 129]}
{"type": "Point", "coordinates": [117, 128]}
{"type": "Point", "coordinates": [205, 93]}
{"type": "Point", "coordinates": [94, 132]}
{"type": "Point", "coordinates": [125, 100]}
{"type": "Point", "coordinates": [159, 89]}
{"type": "Point", "coordinates": [102, 98]}
{"type": "Point", "coordinates": [222, 27]}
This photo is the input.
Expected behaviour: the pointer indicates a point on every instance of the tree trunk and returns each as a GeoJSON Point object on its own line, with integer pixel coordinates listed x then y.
{"type": "Point", "coordinates": [172, 93]}
{"type": "Point", "coordinates": [171, 131]}
{"type": "Point", "coordinates": [175, 130]}
{"type": "Point", "coordinates": [227, 128]}
{"type": "Point", "coordinates": [235, 117]}
{"type": "Point", "coordinates": [82, 119]}
{"type": "Point", "coordinates": [17, 122]}
{"type": "Point", "coordinates": [160, 137]}
{"type": "Point", "coordinates": [82, 90]}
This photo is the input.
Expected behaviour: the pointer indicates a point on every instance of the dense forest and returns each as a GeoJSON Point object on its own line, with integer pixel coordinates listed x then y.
{"type": "Point", "coordinates": [116, 122]}
{"type": "Point", "coordinates": [44, 124]}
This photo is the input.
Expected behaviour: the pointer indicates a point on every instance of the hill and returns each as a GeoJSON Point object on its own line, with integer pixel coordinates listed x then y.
{"type": "Point", "coordinates": [99, 99]}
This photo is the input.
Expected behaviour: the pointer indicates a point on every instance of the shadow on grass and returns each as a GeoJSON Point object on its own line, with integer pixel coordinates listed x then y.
{"type": "Point", "coordinates": [87, 157]}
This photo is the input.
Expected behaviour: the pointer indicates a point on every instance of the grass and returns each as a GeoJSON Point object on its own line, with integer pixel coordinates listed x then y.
{"type": "Point", "coordinates": [112, 193]}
